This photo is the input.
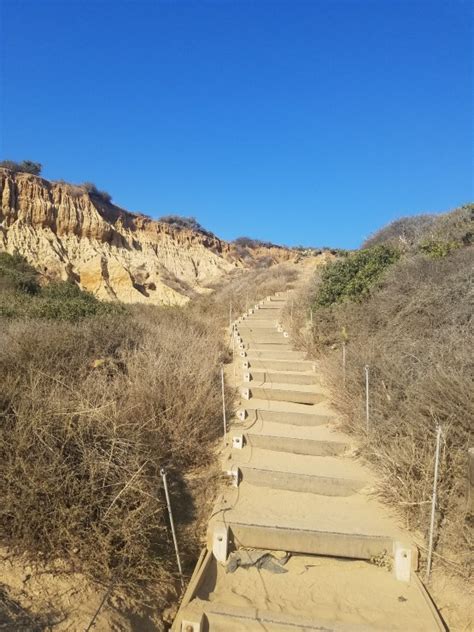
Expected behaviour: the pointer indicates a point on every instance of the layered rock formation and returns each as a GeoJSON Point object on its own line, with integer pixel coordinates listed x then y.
{"type": "Point", "coordinates": [67, 233]}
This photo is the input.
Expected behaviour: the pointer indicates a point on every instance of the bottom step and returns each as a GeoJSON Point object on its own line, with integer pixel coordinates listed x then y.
{"type": "Point", "coordinates": [312, 542]}
{"type": "Point", "coordinates": [315, 593]}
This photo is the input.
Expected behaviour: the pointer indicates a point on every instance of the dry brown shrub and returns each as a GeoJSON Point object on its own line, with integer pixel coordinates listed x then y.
{"type": "Point", "coordinates": [415, 333]}
{"type": "Point", "coordinates": [411, 232]}
{"type": "Point", "coordinates": [90, 412]}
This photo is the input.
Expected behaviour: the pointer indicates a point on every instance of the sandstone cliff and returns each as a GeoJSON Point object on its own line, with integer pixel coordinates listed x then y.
{"type": "Point", "coordinates": [68, 233]}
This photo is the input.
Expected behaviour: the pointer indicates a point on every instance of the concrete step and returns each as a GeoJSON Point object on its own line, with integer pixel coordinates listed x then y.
{"type": "Point", "coordinates": [270, 315]}
{"type": "Point", "coordinates": [231, 619]}
{"type": "Point", "coordinates": [286, 354]}
{"type": "Point", "coordinates": [298, 393]}
{"type": "Point", "coordinates": [265, 335]}
{"type": "Point", "coordinates": [293, 444]}
{"type": "Point", "coordinates": [283, 412]}
{"type": "Point", "coordinates": [324, 475]}
{"type": "Point", "coordinates": [295, 482]}
{"type": "Point", "coordinates": [315, 593]}
{"type": "Point", "coordinates": [273, 343]}
{"type": "Point", "coordinates": [260, 335]}
{"type": "Point", "coordinates": [257, 326]}
{"type": "Point", "coordinates": [353, 526]}
{"type": "Point", "coordinates": [280, 345]}
{"type": "Point", "coordinates": [272, 364]}
{"type": "Point", "coordinates": [285, 377]}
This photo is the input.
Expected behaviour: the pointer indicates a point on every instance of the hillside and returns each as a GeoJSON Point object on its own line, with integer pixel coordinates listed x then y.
{"type": "Point", "coordinates": [398, 313]}
{"type": "Point", "coordinates": [97, 396]}
{"type": "Point", "coordinates": [69, 233]}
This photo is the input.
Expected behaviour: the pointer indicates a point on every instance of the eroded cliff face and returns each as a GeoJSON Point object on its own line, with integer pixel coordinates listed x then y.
{"type": "Point", "coordinates": [68, 234]}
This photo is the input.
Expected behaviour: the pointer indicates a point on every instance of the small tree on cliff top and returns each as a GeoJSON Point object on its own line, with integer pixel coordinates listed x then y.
{"type": "Point", "coordinates": [26, 166]}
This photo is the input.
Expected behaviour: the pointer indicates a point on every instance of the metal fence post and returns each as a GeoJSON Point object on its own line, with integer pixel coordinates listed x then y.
{"type": "Point", "coordinates": [433, 502]}
{"type": "Point", "coordinates": [224, 417]}
{"type": "Point", "coordinates": [367, 414]}
{"type": "Point", "coordinates": [170, 514]}
{"type": "Point", "coordinates": [470, 480]}
{"type": "Point", "coordinates": [344, 362]}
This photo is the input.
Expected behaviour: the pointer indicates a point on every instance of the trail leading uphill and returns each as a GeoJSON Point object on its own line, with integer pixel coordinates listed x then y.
{"type": "Point", "coordinates": [297, 541]}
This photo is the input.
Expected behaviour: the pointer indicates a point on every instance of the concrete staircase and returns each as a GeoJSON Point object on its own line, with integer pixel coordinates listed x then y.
{"type": "Point", "coordinates": [295, 486]}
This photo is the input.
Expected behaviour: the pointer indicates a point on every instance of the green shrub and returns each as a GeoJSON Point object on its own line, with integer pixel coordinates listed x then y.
{"type": "Point", "coordinates": [65, 301]}
{"type": "Point", "coordinates": [352, 277]}
{"type": "Point", "coordinates": [22, 296]}
{"type": "Point", "coordinates": [17, 274]}
{"type": "Point", "coordinates": [436, 249]}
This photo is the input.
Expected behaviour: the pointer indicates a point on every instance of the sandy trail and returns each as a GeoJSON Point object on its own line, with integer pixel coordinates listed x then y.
{"type": "Point", "coordinates": [301, 490]}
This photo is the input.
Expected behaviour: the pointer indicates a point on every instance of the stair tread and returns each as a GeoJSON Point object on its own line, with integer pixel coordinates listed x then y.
{"type": "Point", "coordinates": [316, 593]}
{"type": "Point", "coordinates": [306, 433]}
{"type": "Point", "coordinates": [277, 372]}
{"type": "Point", "coordinates": [288, 407]}
{"type": "Point", "coordinates": [268, 355]}
{"type": "Point", "coordinates": [358, 514]}
{"type": "Point", "coordinates": [280, 386]}
{"type": "Point", "coordinates": [309, 465]}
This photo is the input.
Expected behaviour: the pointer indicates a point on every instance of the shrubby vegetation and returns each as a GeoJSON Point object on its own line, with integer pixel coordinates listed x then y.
{"type": "Point", "coordinates": [409, 233]}
{"type": "Point", "coordinates": [22, 295]}
{"type": "Point", "coordinates": [405, 231]}
{"type": "Point", "coordinates": [409, 318]}
{"type": "Point", "coordinates": [313, 252]}
{"type": "Point", "coordinates": [93, 191]}
{"type": "Point", "coordinates": [179, 221]}
{"type": "Point", "coordinates": [25, 166]}
{"type": "Point", "coordinates": [94, 399]}
{"type": "Point", "coordinates": [17, 275]}
{"type": "Point", "coordinates": [352, 277]}
{"type": "Point", "coordinates": [244, 249]}
{"type": "Point", "coordinates": [248, 242]}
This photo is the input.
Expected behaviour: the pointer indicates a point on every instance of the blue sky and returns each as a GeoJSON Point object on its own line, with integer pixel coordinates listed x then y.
{"type": "Point", "coordinates": [297, 122]}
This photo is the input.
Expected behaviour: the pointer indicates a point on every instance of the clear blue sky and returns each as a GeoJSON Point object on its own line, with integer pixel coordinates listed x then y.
{"type": "Point", "coordinates": [298, 122]}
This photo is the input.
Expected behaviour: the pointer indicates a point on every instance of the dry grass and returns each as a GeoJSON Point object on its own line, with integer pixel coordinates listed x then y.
{"type": "Point", "coordinates": [90, 411]}
{"type": "Point", "coordinates": [415, 333]}
{"type": "Point", "coordinates": [91, 407]}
